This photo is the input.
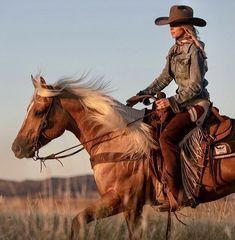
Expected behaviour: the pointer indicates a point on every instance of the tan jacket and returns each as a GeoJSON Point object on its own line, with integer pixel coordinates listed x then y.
{"type": "Point", "coordinates": [185, 64]}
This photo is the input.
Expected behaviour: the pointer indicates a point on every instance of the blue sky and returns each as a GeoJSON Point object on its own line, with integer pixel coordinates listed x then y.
{"type": "Point", "coordinates": [114, 39]}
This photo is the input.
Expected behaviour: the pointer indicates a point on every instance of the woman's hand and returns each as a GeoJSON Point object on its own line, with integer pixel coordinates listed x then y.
{"type": "Point", "coordinates": [162, 103]}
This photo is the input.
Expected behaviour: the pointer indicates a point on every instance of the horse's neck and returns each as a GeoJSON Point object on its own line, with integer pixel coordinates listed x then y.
{"type": "Point", "coordinates": [77, 123]}
{"type": "Point", "coordinates": [99, 128]}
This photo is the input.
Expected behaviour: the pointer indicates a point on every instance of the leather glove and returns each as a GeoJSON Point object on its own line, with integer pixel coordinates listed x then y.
{"type": "Point", "coordinates": [135, 99]}
{"type": "Point", "coordinates": [132, 101]}
{"type": "Point", "coordinates": [141, 93]}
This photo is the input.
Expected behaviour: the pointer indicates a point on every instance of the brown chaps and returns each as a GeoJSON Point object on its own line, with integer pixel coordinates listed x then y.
{"type": "Point", "coordinates": [178, 126]}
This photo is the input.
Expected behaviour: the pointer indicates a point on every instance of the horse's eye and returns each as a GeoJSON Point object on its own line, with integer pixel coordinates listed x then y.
{"type": "Point", "coordinates": [39, 113]}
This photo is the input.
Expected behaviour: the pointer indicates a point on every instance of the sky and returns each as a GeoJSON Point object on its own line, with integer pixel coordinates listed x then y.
{"type": "Point", "coordinates": [114, 39]}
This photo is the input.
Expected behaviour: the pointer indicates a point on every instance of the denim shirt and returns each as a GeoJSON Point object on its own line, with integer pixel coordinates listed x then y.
{"type": "Point", "coordinates": [187, 65]}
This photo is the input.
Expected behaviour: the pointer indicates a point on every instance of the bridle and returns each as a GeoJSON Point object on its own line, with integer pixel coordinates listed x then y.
{"type": "Point", "coordinates": [54, 156]}
{"type": "Point", "coordinates": [41, 132]}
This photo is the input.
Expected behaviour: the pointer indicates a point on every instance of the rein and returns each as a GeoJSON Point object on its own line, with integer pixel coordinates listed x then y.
{"type": "Point", "coordinates": [57, 156]}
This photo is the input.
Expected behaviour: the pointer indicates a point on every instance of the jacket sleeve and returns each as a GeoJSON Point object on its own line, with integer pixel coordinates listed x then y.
{"type": "Point", "coordinates": [195, 81]}
{"type": "Point", "coordinates": [162, 81]}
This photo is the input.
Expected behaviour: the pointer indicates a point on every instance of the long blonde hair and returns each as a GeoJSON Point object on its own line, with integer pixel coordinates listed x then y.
{"type": "Point", "coordinates": [192, 33]}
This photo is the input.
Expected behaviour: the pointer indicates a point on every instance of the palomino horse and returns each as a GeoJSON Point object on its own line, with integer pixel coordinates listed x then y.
{"type": "Point", "coordinates": [119, 150]}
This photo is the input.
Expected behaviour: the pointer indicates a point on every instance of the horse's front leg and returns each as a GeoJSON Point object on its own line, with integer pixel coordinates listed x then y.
{"type": "Point", "coordinates": [108, 205]}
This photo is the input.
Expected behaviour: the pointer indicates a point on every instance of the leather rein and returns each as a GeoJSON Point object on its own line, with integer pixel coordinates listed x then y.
{"type": "Point", "coordinates": [57, 156]}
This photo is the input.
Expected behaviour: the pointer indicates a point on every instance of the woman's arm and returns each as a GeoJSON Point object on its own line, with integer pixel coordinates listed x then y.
{"type": "Point", "coordinates": [163, 80]}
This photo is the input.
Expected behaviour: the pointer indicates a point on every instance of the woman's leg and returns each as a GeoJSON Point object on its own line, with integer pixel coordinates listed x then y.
{"type": "Point", "coordinates": [170, 137]}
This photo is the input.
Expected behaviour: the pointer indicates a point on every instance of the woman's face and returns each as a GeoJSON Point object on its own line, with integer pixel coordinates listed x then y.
{"type": "Point", "coordinates": [176, 31]}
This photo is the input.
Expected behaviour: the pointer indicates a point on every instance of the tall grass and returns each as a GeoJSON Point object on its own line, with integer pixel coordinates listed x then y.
{"type": "Point", "coordinates": [49, 219]}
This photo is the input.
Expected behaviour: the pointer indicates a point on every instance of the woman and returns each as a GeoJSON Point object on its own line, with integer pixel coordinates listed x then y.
{"type": "Point", "coordinates": [186, 64]}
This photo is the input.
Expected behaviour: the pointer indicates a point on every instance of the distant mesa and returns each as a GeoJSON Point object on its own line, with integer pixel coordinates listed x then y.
{"type": "Point", "coordinates": [79, 186]}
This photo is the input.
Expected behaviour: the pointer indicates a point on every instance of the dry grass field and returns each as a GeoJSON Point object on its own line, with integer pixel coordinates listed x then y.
{"type": "Point", "coordinates": [49, 219]}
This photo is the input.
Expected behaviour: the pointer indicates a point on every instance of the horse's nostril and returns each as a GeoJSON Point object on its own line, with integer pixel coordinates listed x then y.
{"type": "Point", "coordinates": [16, 149]}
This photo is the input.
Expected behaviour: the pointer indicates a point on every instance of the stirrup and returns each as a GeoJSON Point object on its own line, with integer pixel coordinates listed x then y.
{"type": "Point", "coordinates": [169, 205]}
{"type": "Point", "coordinates": [165, 207]}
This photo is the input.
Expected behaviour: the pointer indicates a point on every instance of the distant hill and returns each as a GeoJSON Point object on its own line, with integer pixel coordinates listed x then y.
{"type": "Point", "coordinates": [80, 186]}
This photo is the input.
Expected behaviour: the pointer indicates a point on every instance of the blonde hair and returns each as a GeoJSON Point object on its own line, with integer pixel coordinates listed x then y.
{"type": "Point", "coordinates": [192, 33]}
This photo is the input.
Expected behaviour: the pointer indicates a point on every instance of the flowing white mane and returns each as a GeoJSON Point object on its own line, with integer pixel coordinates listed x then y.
{"type": "Point", "coordinates": [105, 112]}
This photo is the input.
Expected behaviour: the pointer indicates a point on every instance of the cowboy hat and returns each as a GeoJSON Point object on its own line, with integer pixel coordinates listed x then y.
{"type": "Point", "coordinates": [181, 14]}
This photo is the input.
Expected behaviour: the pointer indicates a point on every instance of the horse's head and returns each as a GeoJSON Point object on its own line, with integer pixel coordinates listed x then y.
{"type": "Point", "coordinates": [44, 121]}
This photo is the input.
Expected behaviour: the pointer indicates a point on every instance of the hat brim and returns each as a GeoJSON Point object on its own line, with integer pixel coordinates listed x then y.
{"type": "Point", "coordinates": [193, 21]}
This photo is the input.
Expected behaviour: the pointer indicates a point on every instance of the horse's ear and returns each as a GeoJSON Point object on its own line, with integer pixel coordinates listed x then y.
{"type": "Point", "coordinates": [43, 81]}
{"type": "Point", "coordinates": [34, 81]}
{"type": "Point", "coordinates": [38, 81]}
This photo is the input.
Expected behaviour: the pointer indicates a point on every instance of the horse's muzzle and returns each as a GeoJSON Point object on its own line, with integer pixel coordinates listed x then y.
{"type": "Point", "coordinates": [20, 152]}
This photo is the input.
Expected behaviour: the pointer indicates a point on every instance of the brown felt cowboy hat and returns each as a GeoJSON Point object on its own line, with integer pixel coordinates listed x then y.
{"type": "Point", "coordinates": [181, 14]}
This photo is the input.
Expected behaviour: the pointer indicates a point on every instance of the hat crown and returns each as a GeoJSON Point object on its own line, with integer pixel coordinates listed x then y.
{"type": "Point", "coordinates": [180, 11]}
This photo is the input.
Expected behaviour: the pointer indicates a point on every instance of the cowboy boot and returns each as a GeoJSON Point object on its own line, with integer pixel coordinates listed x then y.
{"type": "Point", "coordinates": [171, 177]}
{"type": "Point", "coordinates": [171, 190]}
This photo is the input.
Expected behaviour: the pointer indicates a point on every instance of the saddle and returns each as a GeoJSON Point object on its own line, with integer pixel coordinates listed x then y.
{"type": "Point", "coordinates": [217, 127]}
